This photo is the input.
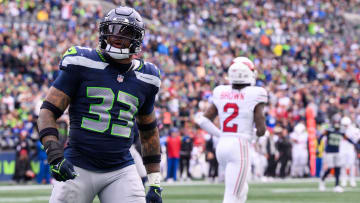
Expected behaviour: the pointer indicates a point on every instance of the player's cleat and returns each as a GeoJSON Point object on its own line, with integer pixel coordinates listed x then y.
{"type": "Point", "coordinates": [338, 189]}
{"type": "Point", "coordinates": [353, 183]}
{"type": "Point", "coordinates": [322, 186]}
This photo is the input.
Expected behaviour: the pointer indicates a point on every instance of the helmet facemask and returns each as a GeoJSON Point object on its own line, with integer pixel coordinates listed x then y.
{"type": "Point", "coordinates": [122, 32]}
{"type": "Point", "coordinates": [120, 40]}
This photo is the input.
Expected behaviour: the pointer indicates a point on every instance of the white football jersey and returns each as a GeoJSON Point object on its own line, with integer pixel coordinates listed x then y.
{"type": "Point", "coordinates": [353, 134]}
{"type": "Point", "coordinates": [236, 108]}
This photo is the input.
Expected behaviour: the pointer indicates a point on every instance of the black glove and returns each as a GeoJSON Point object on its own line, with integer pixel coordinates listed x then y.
{"type": "Point", "coordinates": [154, 195]}
{"type": "Point", "coordinates": [61, 169]}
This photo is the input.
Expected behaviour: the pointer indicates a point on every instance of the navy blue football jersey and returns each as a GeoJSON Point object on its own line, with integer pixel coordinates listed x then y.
{"type": "Point", "coordinates": [333, 140]}
{"type": "Point", "coordinates": [104, 103]}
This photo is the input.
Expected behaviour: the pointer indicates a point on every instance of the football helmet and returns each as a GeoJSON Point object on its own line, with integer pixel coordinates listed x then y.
{"type": "Point", "coordinates": [345, 121]}
{"type": "Point", "coordinates": [248, 63]}
{"type": "Point", "coordinates": [239, 73]}
{"type": "Point", "coordinates": [123, 24]}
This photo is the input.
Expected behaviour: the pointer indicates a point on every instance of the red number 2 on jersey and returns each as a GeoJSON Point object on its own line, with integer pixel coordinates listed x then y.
{"type": "Point", "coordinates": [235, 113]}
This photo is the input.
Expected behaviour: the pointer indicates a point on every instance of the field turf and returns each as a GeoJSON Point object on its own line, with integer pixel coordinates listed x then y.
{"type": "Point", "coordinates": [293, 191]}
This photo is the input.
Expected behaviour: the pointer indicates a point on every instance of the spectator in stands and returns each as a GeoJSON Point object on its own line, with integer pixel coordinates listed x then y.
{"type": "Point", "coordinates": [211, 158]}
{"type": "Point", "coordinates": [23, 172]}
{"type": "Point", "coordinates": [283, 146]}
{"type": "Point", "coordinates": [185, 153]}
{"type": "Point", "coordinates": [272, 154]}
{"type": "Point", "coordinates": [173, 145]}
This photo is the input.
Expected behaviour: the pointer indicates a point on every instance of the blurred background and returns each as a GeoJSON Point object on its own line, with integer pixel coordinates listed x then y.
{"type": "Point", "coordinates": [305, 51]}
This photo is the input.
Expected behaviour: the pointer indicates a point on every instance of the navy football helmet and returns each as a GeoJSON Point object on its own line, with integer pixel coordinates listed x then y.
{"type": "Point", "coordinates": [126, 26]}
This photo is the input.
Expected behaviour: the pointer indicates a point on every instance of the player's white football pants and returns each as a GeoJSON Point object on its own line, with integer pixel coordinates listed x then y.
{"type": "Point", "coordinates": [348, 160]}
{"type": "Point", "coordinates": [121, 186]}
{"type": "Point", "coordinates": [233, 154]}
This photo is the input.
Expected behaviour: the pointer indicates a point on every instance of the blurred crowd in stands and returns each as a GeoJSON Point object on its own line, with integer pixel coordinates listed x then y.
{"type": "Point", "coordinates": [306, 52]}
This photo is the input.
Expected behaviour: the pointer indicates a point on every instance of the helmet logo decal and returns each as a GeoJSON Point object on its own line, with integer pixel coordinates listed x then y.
{"type": "Point", "coordinates": [248, 65]}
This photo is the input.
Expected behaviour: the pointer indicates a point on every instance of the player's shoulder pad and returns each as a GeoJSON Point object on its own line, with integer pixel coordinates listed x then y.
{"type": "Point", "coordinates": [219, 88]}
{"type": "Point", "coordinates": [258, 90]}
{"type": "Point", "coordinates": [77, 56]}
{"type": "Point", "coordinates": [259, 93]}
{"type": "Point", "coordinates": [147, 68]}
{"type": "Point", "coordinates": [147, 72]}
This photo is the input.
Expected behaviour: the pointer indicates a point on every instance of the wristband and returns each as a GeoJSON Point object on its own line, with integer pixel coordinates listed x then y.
{"type": "Point", "coordinates": [54, 151]}
{"type": "Point", "coordinates": [154, 159]}
{"type": "Point", "coordinates": [48, 131]}
{"type": "Point", "coordinates": [145, 127]}
{"type": "Point", "coordinates": [154, 179]}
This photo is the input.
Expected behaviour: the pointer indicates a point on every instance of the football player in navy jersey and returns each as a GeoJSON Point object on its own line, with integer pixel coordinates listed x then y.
{"type": "Point", "coordinates": [107, 91]}
{"type": "Point", "coordinates": [332, 155]}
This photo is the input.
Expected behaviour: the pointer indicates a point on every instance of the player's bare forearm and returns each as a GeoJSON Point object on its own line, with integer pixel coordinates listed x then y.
{"type": "Point", "coordinates": [150, 141]}
{"type": "Point", "coordinates": [58, 98]}
{"type": "Point", "coordinates": [46, 120]}
{"type": "Point", "coordinates": [211, 112]}
{"type": "Point", "coordinates": [150, 145]}
{"type": "Point", "coordinates": [46, 117]}
{"type": "Point", "coordinates": [259, 119]}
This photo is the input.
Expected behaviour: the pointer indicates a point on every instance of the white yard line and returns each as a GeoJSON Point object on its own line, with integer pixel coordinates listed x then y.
{"type": "Point", "coordinates": [24, 199]}
{"type": "Point", "coordinates": [294, 190]}
{"type": "Point", "coordinates": [294, 180]}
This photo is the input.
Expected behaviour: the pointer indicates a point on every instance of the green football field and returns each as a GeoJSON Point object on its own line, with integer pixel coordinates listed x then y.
{"type": "Point", "coordinates": [202, 192]}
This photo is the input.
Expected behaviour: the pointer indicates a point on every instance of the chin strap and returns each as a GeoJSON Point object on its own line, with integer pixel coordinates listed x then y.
{"type": "Point", "coordinates": [116, 53]}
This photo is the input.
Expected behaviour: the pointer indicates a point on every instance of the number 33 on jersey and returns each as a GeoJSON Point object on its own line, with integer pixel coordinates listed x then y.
{"type": "Point", "coordinates": [104, 103]}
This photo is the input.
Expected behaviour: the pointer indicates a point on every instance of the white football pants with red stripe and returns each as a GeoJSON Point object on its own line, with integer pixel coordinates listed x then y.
{"type": "Point", "coordinates": [233, 154]}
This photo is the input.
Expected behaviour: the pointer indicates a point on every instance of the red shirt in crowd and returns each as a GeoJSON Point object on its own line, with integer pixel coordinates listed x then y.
{"type": "Point", "coordinates": [173, 146]}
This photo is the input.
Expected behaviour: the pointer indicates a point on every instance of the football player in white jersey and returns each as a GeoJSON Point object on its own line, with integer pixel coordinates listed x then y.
{"type": "Point", "coordinates": [348, 152]}
{"type": "Point", "coordinates": [238, 106]}
{"type": "Point", "coordinates": [300, 155]}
